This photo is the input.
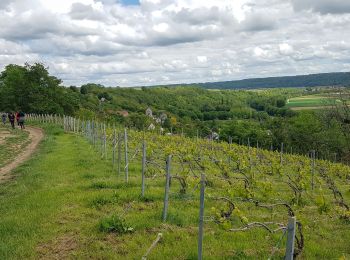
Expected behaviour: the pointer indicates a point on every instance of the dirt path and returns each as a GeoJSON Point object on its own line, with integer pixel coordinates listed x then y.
{"type": "Point", "coordinates": [35, 135]}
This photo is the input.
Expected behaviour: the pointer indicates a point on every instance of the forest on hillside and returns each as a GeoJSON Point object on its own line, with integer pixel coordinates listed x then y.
{"type": "Point", "coordinates": [299, 81]}
{"type": "Point", "coordinates": [260, 115]}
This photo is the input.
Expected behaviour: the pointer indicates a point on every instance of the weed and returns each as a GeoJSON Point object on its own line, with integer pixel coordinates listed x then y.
{"type": "Point", "coordinates": [100, 201]}
{"type": "Point", "coordinates": [145, 199]}
{"type": "Point", "coordinates": [99, 185]}
{"type": "Point", "coordinates": [114, 224]}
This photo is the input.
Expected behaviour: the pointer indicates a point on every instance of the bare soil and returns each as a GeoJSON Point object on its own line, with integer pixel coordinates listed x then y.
{"type": "Point", "coordinates": [35, 135]}
{"type": "Point", "coordinates": [4, 135]}
{"type": "Point", "coordinates": [58, 248]}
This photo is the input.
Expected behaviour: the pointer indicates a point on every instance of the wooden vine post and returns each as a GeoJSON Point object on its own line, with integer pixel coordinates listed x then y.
{"type": "Point", "coordinates": [313, 153]}
{"type": "Point", "coordinates": [201, 218]}
{"type": "Point", "coordinates": [143, 169]}
{"type": "Point", "coordinates": [126, 156]}
{"type": "Point", "coordinates": [119, 159]}
{"type": "Point", "coordinates": [167, 186]}
{"type": "Point", "coordinates": [114, 147]}
{"type": "Point", "coordinates": [290, 238]}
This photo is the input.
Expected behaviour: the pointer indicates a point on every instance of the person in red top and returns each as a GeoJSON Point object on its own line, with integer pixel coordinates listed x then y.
{"type": "Point", "coordinates": [17, 118]}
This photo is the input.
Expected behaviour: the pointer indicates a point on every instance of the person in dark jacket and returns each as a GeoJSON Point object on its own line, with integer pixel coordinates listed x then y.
{"type": "Point", "coordinates": [21, 120]}
{"type": "Point", "coordinates": [3, 118]}
{"type": "Point", "coordinates": [12, 119]}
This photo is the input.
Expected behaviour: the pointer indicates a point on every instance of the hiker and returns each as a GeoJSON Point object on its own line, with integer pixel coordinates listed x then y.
{"type": "Point", "coordinates": [21, 119]}
{"type": "Point", "coordinates": [17, 118]}
{"type": "Point", "coordinates": [3, 117]}
{"type": "Point", "coordinates": [11, 117]}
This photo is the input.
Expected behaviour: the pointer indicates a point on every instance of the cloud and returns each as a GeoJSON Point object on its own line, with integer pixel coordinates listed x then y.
{"type": "Point", "coordinates": [80, 11]}
{"type": "Point", "coordinates": [202, 59]}
{"type": "Point", "coordinates": [258, 22]}
{"type": "Point", "coordinates": [323, 6]}
{"type": "Point", "coordinates": [174, 41]}
{"type": "Point", "coordinates": [285, 49]}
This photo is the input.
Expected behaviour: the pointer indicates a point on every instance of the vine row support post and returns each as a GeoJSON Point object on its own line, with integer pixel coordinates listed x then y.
{"type": "Point", "coordinates": [249, 153]}
{"type": "Point", "coordinates": [93, 133]}
{"type": "Point", "coordinates": [143, 168]}
{"type": "Point", "coordinates": [201, 218]}
{"type": "Point", "coordinates": [114, 147]}
{"type": "Point", "coordinates": [119, 152]}
{"type": "Point", "coordinates": [250, 159]}
{"type": "Point", "coordinates": [281, 154]}
{"type": "Point", "coordinates": [104, 141]}
{"type": "Point", "coordinates": [290, 238]}
{"type": "Point", "coordinates": [126, 156]}
{"type": "Point", "coordinates": [230, 148]}
{"type": "Point", "coordinates": [313, 153]}
{"type": "Point", "coordinates": [167, 186]}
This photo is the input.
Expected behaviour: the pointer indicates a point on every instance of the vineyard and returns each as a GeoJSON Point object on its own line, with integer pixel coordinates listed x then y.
{"type": "Point", "coordinates": [239, 198]}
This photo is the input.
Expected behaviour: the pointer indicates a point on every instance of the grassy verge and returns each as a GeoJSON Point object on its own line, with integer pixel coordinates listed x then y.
{"type": "Point", "coordinates": [68, 203]}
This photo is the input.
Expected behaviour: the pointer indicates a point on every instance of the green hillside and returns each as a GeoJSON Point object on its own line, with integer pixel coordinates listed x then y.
{"type": "Point", "coordinates": [262, 115]}
{"type": "Point", "coordinates": [70, 202]}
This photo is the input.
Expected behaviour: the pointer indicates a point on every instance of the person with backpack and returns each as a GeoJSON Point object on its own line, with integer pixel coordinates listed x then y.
{"type": "Point", "coordinates": [3, 117]}
{"type": "Point", "coordinates": [12, 118]}
{"type": "Point", "coordinates": [21, 119]}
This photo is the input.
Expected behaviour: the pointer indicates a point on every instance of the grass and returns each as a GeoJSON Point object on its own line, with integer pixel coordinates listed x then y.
{"type": "Point", "coordinates": [311, 101]}
{"type": "Point", "coordinates": [67, 202]}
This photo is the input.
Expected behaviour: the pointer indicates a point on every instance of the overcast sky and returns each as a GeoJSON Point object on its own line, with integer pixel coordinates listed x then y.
{"type": "Point", "coordinates": [148, 42]}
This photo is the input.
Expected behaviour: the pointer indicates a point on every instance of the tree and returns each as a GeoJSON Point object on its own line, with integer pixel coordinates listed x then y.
{"type": "Point", "coordinates": [30, 88]}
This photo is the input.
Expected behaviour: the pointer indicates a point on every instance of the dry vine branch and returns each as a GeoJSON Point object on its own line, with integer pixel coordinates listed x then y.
{"type": "Point", "coordinates": [232, 207]}
{"type": "Point", "coordinates": [262, 225]}
{"type": "Point", "coordinates": [271, 206]}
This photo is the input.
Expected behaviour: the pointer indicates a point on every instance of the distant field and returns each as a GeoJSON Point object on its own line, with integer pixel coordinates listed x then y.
{"type": "Point", "coordinates": [311, 102]}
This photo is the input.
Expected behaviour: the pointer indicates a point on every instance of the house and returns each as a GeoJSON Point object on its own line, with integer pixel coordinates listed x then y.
{"type": "Point", "coordinates": [149, 112]}
{"type": "Point", "coordinates": [163, 117]}
{"type": "Point", "coordinates": [213, 136]}
{"type": "Point", "coordinates": [151, 127]}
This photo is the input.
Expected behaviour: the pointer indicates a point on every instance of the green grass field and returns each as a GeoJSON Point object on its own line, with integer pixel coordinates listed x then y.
{"type": "Point", "coordinates": [55, 207]}
{"type": "Point", "coordinates": [311, 101]}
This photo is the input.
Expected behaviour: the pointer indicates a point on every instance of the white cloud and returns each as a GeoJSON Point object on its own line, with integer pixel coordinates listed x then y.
{"type": "Point", "coordinates": [161, 28]}
{"type": "Point", "coordinates": [172, 41]}
{"type": "Point", "coordinates": [259, 52]}
{"type": "Point", "coordinates": [285, 49]}
{"type": "Point", "coordinates": [202, 59]}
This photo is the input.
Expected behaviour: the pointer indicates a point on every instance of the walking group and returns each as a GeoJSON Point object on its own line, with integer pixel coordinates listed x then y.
{"type": "Point", "coordinates": [18, 117]}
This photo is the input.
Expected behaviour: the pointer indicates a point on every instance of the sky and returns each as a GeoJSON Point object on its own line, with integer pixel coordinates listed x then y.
{"type": "Point", "coordinates": [151, 42]}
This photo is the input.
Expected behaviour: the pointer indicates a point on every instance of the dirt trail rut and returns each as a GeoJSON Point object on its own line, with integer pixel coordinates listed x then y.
{"type": "Point", "coordinates": [35, 135]}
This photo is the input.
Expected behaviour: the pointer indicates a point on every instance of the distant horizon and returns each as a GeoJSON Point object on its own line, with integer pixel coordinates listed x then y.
{"type": "Point", "coordinates": [213, 82]}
